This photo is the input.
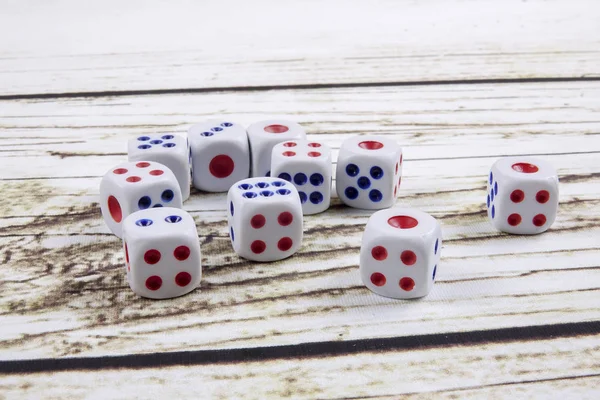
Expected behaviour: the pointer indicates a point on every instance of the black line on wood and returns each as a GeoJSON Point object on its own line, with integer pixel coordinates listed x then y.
{"type": "Point", "coordinates": [303, 86]}
{"type": "Point", "coordinates": [303, 350]}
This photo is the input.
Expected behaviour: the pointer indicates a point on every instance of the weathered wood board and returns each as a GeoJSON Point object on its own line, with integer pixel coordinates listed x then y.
{"type": "Point", "coordinates": [69, 47]}
{"type": "Point", "coordinates": [69, 296]}
{"type": "Point", "coordinates": [458, 84]}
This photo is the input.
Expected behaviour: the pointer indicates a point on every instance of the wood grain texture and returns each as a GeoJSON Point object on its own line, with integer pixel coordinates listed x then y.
{"type": "Point", "coordinates": [552, 369]}
{"type": "Point", "coordinates": [509, 316]}
{"type": "Point", "coordinates": [66, 47]}
{"type": "Point", "coordinates": [64, 286]}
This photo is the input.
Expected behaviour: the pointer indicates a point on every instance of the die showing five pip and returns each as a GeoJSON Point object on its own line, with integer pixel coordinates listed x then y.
{"type": "Point", "coordinates": [162, 252]}
{"type": "Point", "coordinates": [134, 186]}
{"type": "Point", "coordinates": [369, 172]}
{"type": "Point", "coordinates": [522, 195]}
{"type": "Point", "coordinates": [264, 216]}
{"type": "Point", "coordinates": [307, 165]}
{"type": "Point", "coordinates": [400, 252]}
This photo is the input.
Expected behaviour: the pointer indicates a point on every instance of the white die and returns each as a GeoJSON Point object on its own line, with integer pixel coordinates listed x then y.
{"type": "Point", "coordinates": [368, 172]}
{"type": "Point", "coordinates": [162, 252]}
{"type": "Point", "coordinates": [134, 186]}
{"type": "Point", "coordinates": [264, 135]}
{"type": "Point", "coordinates": [400, 253]}
{"type": "Point", "coordinates": [265, 219]}
{"type": "Point", "coordinates": [307, 165]}
{"type": "Point", "coordinates": [167, 149]}
{"type": "Point", "coordinates": [219, 155]}
{"type": "Point", "coordinates": [522, 195]}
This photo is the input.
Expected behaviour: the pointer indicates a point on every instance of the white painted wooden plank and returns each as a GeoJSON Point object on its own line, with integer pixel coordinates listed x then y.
{"type": "Point", "coordinates": [562, 366]}
{"type": "Point", "coordinates": [66, 46]}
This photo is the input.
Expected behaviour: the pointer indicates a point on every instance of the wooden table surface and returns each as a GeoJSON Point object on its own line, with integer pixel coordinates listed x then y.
{"type": "Point", "coordinates": [457, 83]}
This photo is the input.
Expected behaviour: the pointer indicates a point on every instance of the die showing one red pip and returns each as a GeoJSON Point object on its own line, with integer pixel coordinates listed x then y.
{"type": "Point", "coordinates": [219, 155]}
{"type": "Point", "coordinates": [264, 135]}
{"type": "Point", "coordinates": [522, 195]}
{"type": "Point", "coordinates": [134, 186]}
{"type": "Point", "coordinates": [400, 253]}
{"type": "Point", "coordinates": [162, 252]}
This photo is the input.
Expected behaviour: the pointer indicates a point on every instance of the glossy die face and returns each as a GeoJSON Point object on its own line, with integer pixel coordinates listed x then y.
{"type": "Point", "coordinates": [400, 253]}
{"type": "Point", "coordinates": [264, 135]}
{"type": "Point", "coordinates": [167, 149]}
{"type": "Point", "coordinates": [162, 253]}
{"type": "Point", "coordinates": [265, 219]}
{"type": "Point", "coordinates": [369, 172]}
{"type": "Point", "coordinates": [134, 186]}
{"type": "Point", "coordinates": [522, 195]}
{"type": "Point", "coordinates": [219, 155]}
{"type": "Point", "coordinates": [307, 165]}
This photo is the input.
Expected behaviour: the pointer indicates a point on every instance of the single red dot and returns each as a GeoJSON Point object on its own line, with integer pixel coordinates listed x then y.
{"type": "Point", "coordinates": [407, 284]}
{"type": "Point", "coordinates": [120, 171]}
{"type": "Point", "coordinates": [525, 168]}
{"type": "Point", "coordinates": [370, 145]}
{"type": "Point", "coordinates": [156, 172]}
{"type": "Point", "coordinates": [401, 155]}
{"type": "Point", "coordinates": [285, 218]}
{"type": "Point", "coordinates": [276, 128]}
{"type": "Point", "coordinates": [395, 190]}
{"type": "Point", "coordinates": [258, 221]}
{"type": "Point", "coordinates": [289, 144]}
{"type": "Point", "coordinates": [396, 167]}
{"type": "Point", "coordinates": [314, 154]}
{"type": "Point", "coordinates": [403, 222]}
{"type": "Point", "coordinates": [258, 246]}
{"type": "Point", "coordinates": [542, 196]}
{"type": "Point", "coordinates": [133, 179]}
{"type": "Point", "coordinates": [288, 153]}
{"type": "Point", "coordinates": [379, 253]}
{"type": "Point", "coordinates": [539, 220]}
{"type": "Point", "coordinates": [181, 253]}
{"type": "Point", "coordinates": [114, 208]}
{"type": "Point", "coordinates": [378, 279]}
{"type": "Point", "coordinates": [399, 181]}
{"type": "Point", "coordinates": [284, 244]}
{"type": "Point", "coordinates": [152, 256]}
{"type": "Point", "coordinates": [517, 196]}
{"type": "Point", "coordinates": [408, 257]}
{"type": "Point", "coordinates": [154, 282]}
{"type": "Point", "coordinates": [126, 254]}
{"type": "Point", "coordinates": [142, 164]}
{"type": "Point", "coordinates": [221, 166]}
{"type": "Point", "coordinates": [314, 145]}
{"type": "Point", "coordinates": [183, 279]}
{"type": "Point", "coordinates": [514, 219]}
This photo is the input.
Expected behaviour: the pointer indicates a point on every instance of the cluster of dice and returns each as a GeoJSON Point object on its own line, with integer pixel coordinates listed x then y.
{"type": "Point", "coordinates": [141, 202]}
